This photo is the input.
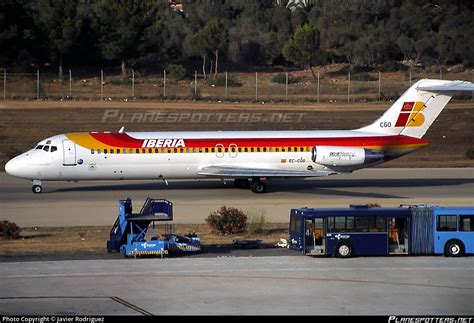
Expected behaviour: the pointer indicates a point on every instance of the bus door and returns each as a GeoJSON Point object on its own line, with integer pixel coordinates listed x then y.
{"type": "Point", "coordinates": [314, 237]}
{"type": "Point", "coordinates": [398, 235]}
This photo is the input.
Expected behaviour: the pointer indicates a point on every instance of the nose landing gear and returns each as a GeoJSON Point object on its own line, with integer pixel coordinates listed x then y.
{"type": "Point", "coordinates": [37, 188]}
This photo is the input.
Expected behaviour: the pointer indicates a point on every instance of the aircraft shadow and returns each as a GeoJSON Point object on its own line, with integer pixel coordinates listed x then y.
{"type": "Point", "coordinates": [314, 187]}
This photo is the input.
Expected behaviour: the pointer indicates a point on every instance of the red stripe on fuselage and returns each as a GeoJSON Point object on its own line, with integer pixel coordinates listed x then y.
{"type": "Point", "coordinates": [122, 140]}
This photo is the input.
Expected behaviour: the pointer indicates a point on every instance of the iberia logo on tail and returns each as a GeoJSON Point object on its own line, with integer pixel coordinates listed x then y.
{"type": "Point", "coordinates": [411, 115]}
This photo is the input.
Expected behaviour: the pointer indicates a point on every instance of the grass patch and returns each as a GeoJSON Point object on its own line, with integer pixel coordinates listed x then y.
{"type": "Point", "coordinates": [256, 222]}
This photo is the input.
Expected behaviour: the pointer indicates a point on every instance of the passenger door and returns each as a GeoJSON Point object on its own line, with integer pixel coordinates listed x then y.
{"type": "Point", "coordinates": [69, 153]}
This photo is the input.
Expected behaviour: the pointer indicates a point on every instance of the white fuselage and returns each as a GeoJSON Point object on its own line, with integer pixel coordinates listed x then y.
{"type": "Point", "coordinates": [79, 159]}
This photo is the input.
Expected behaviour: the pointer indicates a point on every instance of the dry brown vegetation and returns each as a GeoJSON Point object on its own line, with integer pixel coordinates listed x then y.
{"type": "Point", "coordinates": [72, 240]}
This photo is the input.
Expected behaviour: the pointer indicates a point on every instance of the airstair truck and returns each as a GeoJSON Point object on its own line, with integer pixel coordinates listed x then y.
{"type": "Point", "coordinates": [128, 234]}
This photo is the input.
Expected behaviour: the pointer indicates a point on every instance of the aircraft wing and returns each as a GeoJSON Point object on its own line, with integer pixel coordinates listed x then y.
{"type": "Point", "coordinates": [245, 172]}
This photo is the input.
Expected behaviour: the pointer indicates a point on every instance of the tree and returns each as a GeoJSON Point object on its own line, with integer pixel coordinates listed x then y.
{"type": "Point", "coordinates": [213, 37]}
{"type": "Point", "coordinates": [302, 48]}
{"type": "Point", "coordinates": [127, 29]}
{"type": "Point", "coordinates": [61, 21]}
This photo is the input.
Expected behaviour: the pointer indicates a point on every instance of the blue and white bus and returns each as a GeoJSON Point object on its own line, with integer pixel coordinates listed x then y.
{"type": "Point", "coordinates": [362, 230]}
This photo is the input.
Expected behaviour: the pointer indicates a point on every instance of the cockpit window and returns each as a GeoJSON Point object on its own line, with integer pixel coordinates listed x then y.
{"type": "Point", "coordinates": [39, 147]}
{"type": "Point", "coordinates": [48, 142]}
{"type": "Point", "coordinates": [46, 148]}
{"type": "Point", "coordinates": [54, 148]}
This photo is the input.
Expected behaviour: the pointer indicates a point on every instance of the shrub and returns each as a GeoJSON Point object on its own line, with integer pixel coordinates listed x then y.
{"type": "Point", "coordinates": [227, 220]}
{"type": "Point", "coordinates": [363, 77]}
{"type": "Point", "coordinates": [281, 79]}
{"type": "Point", "coordinates": [220, 81]}
{"type": "Point", "coordinates": [470, 154]}
{"type": "Point", "coordinates": [9, 230]}
{"type": "Point", "coordinates": [176, 72]}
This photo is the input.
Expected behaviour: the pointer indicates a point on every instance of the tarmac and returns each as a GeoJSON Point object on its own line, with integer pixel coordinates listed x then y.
{"type": "Point", "coordinates": [95, 202]}
{"type": "Point", "coordinates": [277, 283]}
{"type": "Point", "coordinates": [286, 285]}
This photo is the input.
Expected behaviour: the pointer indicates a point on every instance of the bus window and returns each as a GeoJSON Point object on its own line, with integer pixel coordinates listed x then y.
{"type": "Point", "coordinates": [466, 223]}
{"type": "Point", "coordinates": [362, 224]}
{"type": "Point", "coordinates": [337, 224]}
{"type": "Point", "coordinates": [377, 224]}
{"type": "Point", "coordinates": [293, 223]}
{"type": "Point", "coordinates": [446, 223]}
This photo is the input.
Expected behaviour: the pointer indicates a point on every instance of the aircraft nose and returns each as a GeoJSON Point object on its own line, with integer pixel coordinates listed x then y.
{"type": "Point", "coordinates": [13, 167]}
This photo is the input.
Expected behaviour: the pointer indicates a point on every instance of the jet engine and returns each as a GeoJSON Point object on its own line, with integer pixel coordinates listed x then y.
{"type": "Point", "coordinates": [339, 156]}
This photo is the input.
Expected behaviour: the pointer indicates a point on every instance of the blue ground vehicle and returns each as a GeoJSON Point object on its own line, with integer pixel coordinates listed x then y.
{"type": "Point", "coordinates": [363, 230]}
{"type": "Point", "coordinates": [128, 234]}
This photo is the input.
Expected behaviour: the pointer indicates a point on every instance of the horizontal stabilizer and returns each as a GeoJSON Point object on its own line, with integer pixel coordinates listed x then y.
{"type": "Point", "coordinates": [447, 87]}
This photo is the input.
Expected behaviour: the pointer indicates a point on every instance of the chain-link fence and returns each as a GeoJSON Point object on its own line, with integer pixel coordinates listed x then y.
{"type": "Point", "coordinates": [299, 86]}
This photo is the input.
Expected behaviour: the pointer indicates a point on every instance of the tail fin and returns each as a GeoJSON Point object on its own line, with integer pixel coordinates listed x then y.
{"type": "Point", "coordinates": [414, 112]}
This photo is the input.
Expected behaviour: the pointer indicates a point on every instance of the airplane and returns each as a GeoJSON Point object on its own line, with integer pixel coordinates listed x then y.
{"type": "Point", "coordinates": [247, 157]}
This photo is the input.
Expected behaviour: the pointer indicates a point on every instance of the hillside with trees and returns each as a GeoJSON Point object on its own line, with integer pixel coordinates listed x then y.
{"type": "Point", "coordinates": [241, 35]}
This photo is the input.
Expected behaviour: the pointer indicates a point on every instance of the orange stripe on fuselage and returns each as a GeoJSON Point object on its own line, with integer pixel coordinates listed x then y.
{"type": "Point", "coordinates": [123, 141]}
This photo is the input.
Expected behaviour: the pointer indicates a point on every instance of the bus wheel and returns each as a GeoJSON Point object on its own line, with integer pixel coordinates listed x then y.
{"type": "Point", "coordinates": [343, 250]}
{"type": "Point", "coordinates": [454, 248]}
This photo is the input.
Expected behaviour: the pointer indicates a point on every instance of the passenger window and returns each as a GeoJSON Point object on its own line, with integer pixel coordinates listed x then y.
{"type": "Point", "coordinates": [111, 151]}
{"type": "Point", "coordinates": [92, 151]}
{"type": "Point", "coordinates": [143, 150]}
{"type": "Point", "coordinates": [105, 151]}
{"type": "Point", "coordinates": [246, 149]}
{"type": "Point", "coordinates": [251, 149]}
{"type": "Point", "coordinates": [46, 148]}
{"type": "Point", "coordinates": [39, 147]}
{"type": "Point", "coordinates": [137, 151]}
{"type": "Point", "coordinates": [206, 150]}
{"type": "Point", "coordinates": [446, 223]}
{"type": "Point", "coordinates": [240, 150]}
{"type": "Point", "coordinates": [264, 149]}
{"type": "Point", "coordinates": [226, 150]}
{"type": "Point", "coordinates": [150, 150]}
{"type": "Point", "coordinates": [98, 151]}
{"type": "Point", "coordinates": [277, 149]}
{"type": "Point", "coordinates": [125, 151]}
{"type": "Point", "coordinates": [118, 151]}
{"type": "Point", "coordinates": [156, 150]}
{"type": "Point", "coordinates": [54, 148]}
{"type": "Point", "coordinates": [466, 223]}
{"type": "Point", "coordinates": [200, 150]}
{"type": "Point", "coordinates": [258, 149]}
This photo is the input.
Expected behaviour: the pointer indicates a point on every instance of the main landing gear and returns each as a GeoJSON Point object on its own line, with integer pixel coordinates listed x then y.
{"type": "Point", "coordinates": [37, 188]}
{"type": "Point", "coordinates": [256, 185]}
